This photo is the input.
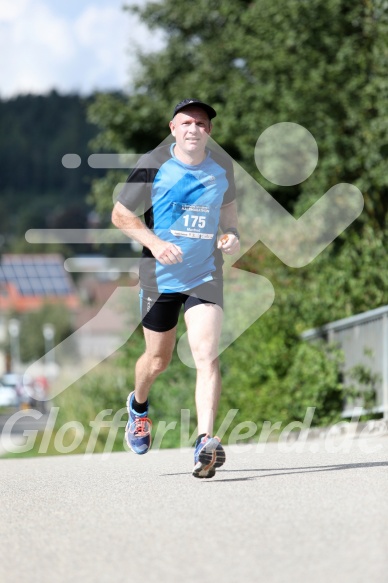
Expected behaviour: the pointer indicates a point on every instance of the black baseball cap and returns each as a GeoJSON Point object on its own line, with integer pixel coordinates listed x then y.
{"type": "Point", "coordinates": [209, 110]}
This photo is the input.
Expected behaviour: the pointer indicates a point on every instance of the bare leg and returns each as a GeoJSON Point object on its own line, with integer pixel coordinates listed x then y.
{"type": "Point", "coordinates": [204, 323]}
{"type": "Point", "coordinates": [156, 358]}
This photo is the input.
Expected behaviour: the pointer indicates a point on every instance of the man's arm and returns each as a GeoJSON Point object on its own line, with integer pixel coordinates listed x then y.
{"type": "Point", "coordinates": [229, 243]}
{"type": "Point", "coordinates": [133, 227]}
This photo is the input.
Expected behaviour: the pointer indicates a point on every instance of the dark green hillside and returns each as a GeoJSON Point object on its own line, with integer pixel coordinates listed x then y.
{"type": "Point", "coordinates": [35, 189]}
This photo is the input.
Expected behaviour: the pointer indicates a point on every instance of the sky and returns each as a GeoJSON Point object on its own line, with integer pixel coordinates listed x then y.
{"type": "Point", "coordinates": [70, 45]}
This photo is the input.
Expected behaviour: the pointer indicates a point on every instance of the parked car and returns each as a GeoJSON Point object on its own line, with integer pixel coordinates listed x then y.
{"type": "Point", "coordinates": [30, 392]}
{"type": "Point", "coordinates": [11, 379]}
{"type": "Point", "coordinates": [15, 381]}
{"type": "Point", "coordinates": [8, 396]}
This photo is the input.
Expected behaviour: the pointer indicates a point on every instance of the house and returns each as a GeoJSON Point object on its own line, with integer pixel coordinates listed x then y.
{"type": "Point", "coordinates": [101, 323]}
{"type": "Point", "coordinates": [29, 281]}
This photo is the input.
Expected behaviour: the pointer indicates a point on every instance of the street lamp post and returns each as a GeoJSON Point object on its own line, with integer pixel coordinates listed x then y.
{"type": "Point", "coordinates": [48, 334]}
{"type": "Point", "coordinates": [14, 337]}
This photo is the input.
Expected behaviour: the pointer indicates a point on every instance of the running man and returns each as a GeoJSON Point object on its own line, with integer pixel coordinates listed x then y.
{"type": "Point", "coordinates": [187, 192]}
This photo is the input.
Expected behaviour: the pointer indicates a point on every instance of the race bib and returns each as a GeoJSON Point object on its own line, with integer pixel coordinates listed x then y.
{"type": "Point", "coordinates": [191, 220]}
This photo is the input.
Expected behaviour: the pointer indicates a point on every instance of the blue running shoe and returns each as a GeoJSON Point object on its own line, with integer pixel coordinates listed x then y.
{"type": "Point", "coordinates": [138, 429]}
{"type": "Point", "coordinates": [209, 455]}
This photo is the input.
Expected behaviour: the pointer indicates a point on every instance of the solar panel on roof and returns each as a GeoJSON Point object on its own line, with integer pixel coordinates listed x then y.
{"type": "Point", "coordinates": [30, 270]}
{"type": "Point", "coordinates": [36, 275]}
{"type": "Point", "coordinates": [41, 270]}
{"type": "Point", "coordinates": [54, 271]}
{"type": "Point", "coordinates": [35, 284]}
{"type": "Point", "coordinates": [48, 284]}
{"type": "Point", "coordinates": [24, 285]}
{"type": "Point", "coordinates": [61, 286]}
{"type": "Point", "coordinates": [8, 271]}
{"type": "Point", "coordinates": [19, 271]}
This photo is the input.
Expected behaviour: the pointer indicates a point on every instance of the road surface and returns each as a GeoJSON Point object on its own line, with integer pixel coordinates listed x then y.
{"type": "Point", "coordinates": [319, 514]}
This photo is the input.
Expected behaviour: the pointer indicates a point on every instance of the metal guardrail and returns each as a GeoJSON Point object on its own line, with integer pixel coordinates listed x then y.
{"type": "Point", "coordinates": [364, 340]}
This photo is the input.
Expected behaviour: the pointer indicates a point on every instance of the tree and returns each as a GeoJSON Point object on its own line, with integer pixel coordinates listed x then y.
{"type": "Point", "coordinates": [32, 344]}
{"type": "Point", "coordinates": [321, 63]}
{"type": "Point", "coordinates": [36, 189]}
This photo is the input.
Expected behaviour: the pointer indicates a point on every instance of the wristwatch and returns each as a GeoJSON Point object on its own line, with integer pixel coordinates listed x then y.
{"type": "Point", "coordinates": [233, 231]}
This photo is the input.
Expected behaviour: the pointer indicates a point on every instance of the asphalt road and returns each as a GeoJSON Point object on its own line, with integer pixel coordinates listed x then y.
{"type": "Point", "coordinates": [22, 420]}
{"type": "Point", "coordinates": [320, 514]}
{"type": "Point", "coordinates": [16, 424]}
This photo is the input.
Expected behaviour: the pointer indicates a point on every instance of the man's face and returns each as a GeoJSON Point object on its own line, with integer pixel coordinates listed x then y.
{"type": "Point", "coordinates": [191, 128]}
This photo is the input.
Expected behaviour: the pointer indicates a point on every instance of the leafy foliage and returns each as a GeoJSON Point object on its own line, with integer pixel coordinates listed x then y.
{"type": "Point", "coordinates": [269, 373]}
{"type": "Point", "coordinates": [319, 63]}
{"type": "Point", "coordinates": [32, 345]}
{"type": "Point", "coordinates": [360, 390]}
{"type": "Point", "coordinates": [322, 64]}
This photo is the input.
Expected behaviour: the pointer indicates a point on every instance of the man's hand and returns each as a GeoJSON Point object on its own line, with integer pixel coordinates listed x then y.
{"type": "Point", "coordinates": [166, 253]}
{"type": "Point", "coordinates": [229, 244]}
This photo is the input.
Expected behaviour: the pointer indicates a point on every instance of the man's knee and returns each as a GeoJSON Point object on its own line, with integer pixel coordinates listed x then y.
{"type": "Point", "coordinates": [159, 363]}
{"type": "Point", "coordinates": [205, 357]}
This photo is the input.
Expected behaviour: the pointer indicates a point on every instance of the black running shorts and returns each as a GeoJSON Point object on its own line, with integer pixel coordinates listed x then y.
{"type": "Point", "coordinates": [160, 312]}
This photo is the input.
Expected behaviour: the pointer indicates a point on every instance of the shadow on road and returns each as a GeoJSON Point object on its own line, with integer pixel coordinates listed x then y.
{"type": "Point", "coordinates": [284, 471]}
